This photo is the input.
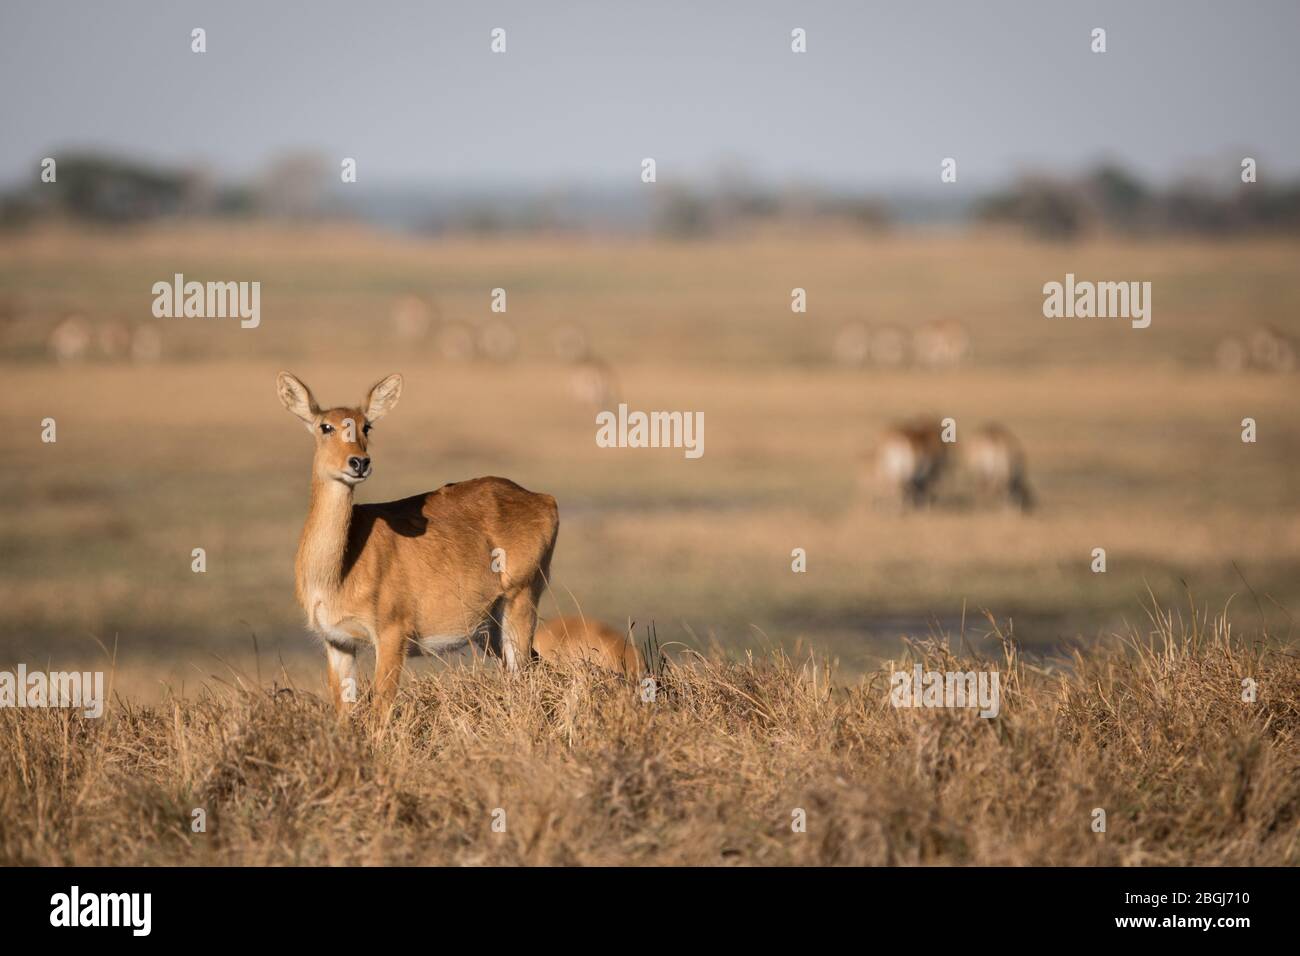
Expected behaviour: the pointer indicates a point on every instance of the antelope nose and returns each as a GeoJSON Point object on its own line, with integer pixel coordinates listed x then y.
{"type": "Point", "coordinates": [358, 465]}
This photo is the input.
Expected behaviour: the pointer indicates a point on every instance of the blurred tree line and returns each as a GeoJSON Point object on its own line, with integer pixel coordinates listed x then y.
{"type": "Point", "coordinates": [1110, 199]}
{"type": "Point", "coordinates": [96, 188]}
{"type": "Point", "coordinates": [104, 189]}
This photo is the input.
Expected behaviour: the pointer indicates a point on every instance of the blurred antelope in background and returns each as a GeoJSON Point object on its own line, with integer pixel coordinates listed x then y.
{"type": "Point", "coordinates": [574, 638]}
{"type": "Point", "coordinates": [423, 574]}
{"type": "Point", "coordinates": [851, 344]}
{"type": "Point", "coordinates": [997, 462]}
{"type": "Point", "coordinates": [70, 339]}
{"type": "Point", "coordinates": [74, 338]}
{"type": "Point", "coordinates": [113, 336]}
{"type": "Point", "coordinates": [941, 344]}
{"type": "Point", "coordinates": [411, 319]}
{"type": "Point", "coordinates": [888, 347]}
{"type": "Point", "coordinates": [591, 380]}
{"type": "Point", "coordinates": [908, 461]}
{"type": "Point", "coordinates": [146, 343]}
{"type": "Point", "coordinates": [1265, 349]}
{"type": "Point", "coordinates": [455, 342]}
{"type": "Point", "coordinates": [1272, 350]}
{"type": "Point", "coordinates": [497, 341]}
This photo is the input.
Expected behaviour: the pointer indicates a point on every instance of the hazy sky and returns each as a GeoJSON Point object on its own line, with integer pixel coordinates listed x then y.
{"type": "Point", "coordinates": [586, 89]}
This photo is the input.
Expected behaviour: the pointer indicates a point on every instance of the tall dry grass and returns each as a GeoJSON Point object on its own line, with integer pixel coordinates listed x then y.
{"type": "Point", "coordinates": [1153, 729]}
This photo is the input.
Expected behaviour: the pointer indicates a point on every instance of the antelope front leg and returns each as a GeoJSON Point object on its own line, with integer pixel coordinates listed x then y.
{"type": "Point", "coordinates": [390, 654]}
{"type": "Point", "coordinates": [342, 675]}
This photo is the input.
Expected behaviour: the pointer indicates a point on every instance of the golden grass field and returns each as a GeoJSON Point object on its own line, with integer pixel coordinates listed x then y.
{"type": "Point", "coordinates": [574, 768]}
{"type": "Point", "coordinates": [1133, 438]}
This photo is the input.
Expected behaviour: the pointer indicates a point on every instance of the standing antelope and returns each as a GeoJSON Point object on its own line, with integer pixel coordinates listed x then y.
{"type": "Point", "coordinates": [997, 460]}
{"type": "Point", "coordinates": [574, 638]}
{"type": "Point", "coordinates": [425, 573]}
{"type": "Point", "coordinates": [909, 460]}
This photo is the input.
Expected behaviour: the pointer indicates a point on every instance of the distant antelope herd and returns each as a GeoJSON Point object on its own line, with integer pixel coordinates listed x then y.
{"type": "Point", "coordinates": [944, 343]}
{"type": "Point", "coordinates": [590, 381]}
{"type": "Point", "coordinates": [939, 344]}
{"type": "Point", "coordinates": [76, 338]}
{"type": "Point", "coordinates": [1264, 349]}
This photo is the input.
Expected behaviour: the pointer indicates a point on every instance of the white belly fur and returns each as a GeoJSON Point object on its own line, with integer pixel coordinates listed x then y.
{"type": "Point", "coordinates": [443, 643]}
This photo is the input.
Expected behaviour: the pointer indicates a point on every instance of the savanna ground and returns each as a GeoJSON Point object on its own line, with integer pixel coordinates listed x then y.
{"type": "Point", "coordinates": [1134, 444]}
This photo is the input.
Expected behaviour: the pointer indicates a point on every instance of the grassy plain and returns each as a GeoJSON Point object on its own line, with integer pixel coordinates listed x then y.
{"type": "Point", "coordinates": [1133, 436]}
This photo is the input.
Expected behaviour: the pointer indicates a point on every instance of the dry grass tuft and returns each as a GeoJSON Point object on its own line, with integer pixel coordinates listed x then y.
{"type": "Point", "coordinates": [1152, 729]}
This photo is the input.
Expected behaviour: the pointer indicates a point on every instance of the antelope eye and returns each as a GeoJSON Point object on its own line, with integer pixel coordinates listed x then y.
{"type": "Point", "coordinates": [327, 429]}
{"type": "Point", "coordinates": [365, 429]}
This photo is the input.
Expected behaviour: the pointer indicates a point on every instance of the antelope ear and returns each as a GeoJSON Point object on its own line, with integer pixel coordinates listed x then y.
{"type": "Point", "coordinates": [383, 397]}
{"type": "Point", "coordinates": [297, 398]}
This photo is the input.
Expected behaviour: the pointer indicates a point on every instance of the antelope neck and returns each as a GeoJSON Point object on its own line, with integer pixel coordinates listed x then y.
{"type": "Point", "coordinates": [323, 545]}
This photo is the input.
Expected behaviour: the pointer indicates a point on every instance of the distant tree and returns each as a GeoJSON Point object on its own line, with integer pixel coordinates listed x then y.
{"type": "Point", "coordinates": [1045, 208]}
{"type": "Point", "coordinates": [867, 213]}
{"type": "Point", "coordinates": [109, 189]}
{"type": "Point", "coordinates": [1110, 197]}
{"type": "Point", "coordinates": [1275, 210]}
{"type": "Point", "coordinates": [1189, 207]}
{"type": "Point", "coordinates": [681, 214]}
{"type": "Point", "coordinates": [1121, 200]}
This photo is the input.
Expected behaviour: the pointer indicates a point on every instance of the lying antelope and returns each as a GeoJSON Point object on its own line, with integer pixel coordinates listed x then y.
{"type": "Point", "coordinates": [909, 460]}
{"type": "Point", "coordinates": [423, 574]}
{"type": "Point", "coordinates": [997, 461]}
{"type": "Point", "coordinates": [574, 638]}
